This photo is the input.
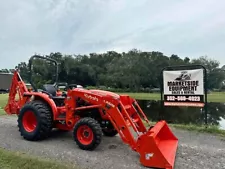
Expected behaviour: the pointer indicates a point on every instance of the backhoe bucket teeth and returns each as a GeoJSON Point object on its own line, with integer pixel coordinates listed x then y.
{"type": "Point", "coordinates": [158, 147]}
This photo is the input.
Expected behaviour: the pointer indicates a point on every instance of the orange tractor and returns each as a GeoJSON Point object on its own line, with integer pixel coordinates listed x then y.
{"type": "Point", "coordinates": [90, 114]}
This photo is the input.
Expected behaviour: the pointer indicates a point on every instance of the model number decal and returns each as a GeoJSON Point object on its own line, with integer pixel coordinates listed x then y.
{"type": "Point", "coordinates": [109, 103]}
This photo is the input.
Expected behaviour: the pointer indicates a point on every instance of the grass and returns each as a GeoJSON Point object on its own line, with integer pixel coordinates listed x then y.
{"type": "Point", "coordinates": [212, 97]}
{"type": "Point", "coordinates": [144, 96]}
{"type": "Point", "coordinates": [212, 129]}
{"type": "Point", "coordinates": [3, 101]}
{"type": "Point", "coordinates": [2, 112]}
{"type": "Point", "coordinates": [14, 160]}
{"type": "Point", "coordinates": [192, 127]}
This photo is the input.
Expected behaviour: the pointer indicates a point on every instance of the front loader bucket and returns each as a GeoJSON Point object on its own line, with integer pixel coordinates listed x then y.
{"type": "Point", "coordinates": [158, 147]}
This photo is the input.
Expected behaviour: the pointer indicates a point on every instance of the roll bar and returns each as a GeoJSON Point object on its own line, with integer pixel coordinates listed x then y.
{"type": "Point", "coordinates": [44, 58]}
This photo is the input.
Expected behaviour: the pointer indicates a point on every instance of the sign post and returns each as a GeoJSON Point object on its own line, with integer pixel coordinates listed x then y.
{"type": "Point", "coordinates": [184, 86]}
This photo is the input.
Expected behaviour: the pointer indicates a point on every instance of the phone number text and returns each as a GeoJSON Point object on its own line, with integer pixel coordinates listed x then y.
{"type": "Point", "coordinates": [183, 98]}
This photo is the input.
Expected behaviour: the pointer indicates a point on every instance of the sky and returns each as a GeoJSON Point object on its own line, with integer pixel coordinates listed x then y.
{"type": "Point", "coordinates": [188, 28]}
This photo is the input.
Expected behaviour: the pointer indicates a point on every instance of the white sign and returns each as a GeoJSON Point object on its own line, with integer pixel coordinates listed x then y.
{"type": "Point", "coordinates": [184, 88]}
{"type": "Point", "coordinates": [183, 82]}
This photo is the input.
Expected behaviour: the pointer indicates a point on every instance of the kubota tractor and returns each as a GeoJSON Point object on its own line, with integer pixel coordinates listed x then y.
{"type": "Point", "coordinates": [89, 114]}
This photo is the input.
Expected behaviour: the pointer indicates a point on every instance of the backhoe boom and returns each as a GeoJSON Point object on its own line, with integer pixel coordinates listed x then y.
{"type": "Point", "coordinates": [17, 87]}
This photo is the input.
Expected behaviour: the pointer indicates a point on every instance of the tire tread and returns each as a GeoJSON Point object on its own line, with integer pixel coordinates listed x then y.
{"type": "Point", "coordinates": [96, 129]}
{"type": "Point", "coordinates": [45, 120]}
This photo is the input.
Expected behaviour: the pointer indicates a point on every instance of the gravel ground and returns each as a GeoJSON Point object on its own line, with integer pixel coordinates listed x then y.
{"type": "Point", "coordinates": [195, 151]}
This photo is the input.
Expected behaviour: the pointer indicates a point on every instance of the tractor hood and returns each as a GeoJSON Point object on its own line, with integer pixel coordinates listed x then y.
{"type": "Point", "coordinates": [105, 93]}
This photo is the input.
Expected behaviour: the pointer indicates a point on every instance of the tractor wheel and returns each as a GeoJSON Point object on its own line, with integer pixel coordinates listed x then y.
{"type": "Point", "coordinates": [109, 132]}
{"type": "Point", "coordinates": [35, 121]}
{"type": "Point", "coordinates": [87, 133]}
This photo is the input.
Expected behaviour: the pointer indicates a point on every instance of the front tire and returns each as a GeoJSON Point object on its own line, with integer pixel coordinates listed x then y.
{"type": "Point", "coordinates": [35, 121]}
{"type": "Point", "coordinates": [87, 133]}
{"type": "Point", "coordinates": [109, 132]}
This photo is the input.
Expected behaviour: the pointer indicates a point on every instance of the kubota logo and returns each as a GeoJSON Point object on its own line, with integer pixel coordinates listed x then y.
{"type": "Point", "coordinates": [91, 97]}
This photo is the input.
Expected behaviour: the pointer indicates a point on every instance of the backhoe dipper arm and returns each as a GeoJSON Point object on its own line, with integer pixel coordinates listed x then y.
{"type": "Point", "coordinates": [17, 87]}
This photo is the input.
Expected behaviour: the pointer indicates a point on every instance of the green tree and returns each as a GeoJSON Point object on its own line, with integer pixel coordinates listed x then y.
{"type": "Point", "coordinates": [133, 70]}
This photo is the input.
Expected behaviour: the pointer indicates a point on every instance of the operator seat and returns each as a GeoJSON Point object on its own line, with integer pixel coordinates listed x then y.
{"type": "Point", "coordinates": [50, 89]}
{"type": "Point", "coordinates": [52, 92]}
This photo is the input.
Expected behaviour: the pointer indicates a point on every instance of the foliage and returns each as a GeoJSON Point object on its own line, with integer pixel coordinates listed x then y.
{"type": "Point", "coordinates": [212, 129]}
{"type": "Point", "coordinates": [131, 71]}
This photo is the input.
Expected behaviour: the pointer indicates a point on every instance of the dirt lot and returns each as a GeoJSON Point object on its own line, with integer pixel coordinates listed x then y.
{"type": "Point", "coordinates": [196, 151]}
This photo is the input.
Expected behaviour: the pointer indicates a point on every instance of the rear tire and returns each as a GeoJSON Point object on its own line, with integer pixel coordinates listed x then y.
{"type": "Point", "coordinates": [87, 133]}
{"type": "Point", "coordinates": [35, 121]}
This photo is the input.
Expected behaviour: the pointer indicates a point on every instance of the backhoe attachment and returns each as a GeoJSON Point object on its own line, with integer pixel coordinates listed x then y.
{"type": "Point", "coordinates": [16, 99]}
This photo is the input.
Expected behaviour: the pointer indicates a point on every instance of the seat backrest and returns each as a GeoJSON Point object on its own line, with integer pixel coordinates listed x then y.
{"type": "Point", "coordinates": [50, 89]}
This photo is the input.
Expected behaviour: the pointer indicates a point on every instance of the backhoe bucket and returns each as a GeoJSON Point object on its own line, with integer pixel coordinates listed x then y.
{"type": "Point", "coordinates": [158, 147]}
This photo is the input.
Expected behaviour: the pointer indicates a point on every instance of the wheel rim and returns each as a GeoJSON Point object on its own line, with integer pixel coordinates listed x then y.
{"type": "Point", "coordinates": [85, 135]}
{"type": "Point", "coordinates": [29, 121]}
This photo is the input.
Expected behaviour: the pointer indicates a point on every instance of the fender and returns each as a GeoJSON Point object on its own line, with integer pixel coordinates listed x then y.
{"type": "Point", "coordinates": [45, 98]}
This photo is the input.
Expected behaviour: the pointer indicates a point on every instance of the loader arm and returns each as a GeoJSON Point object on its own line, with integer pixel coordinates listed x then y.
{"type": "Point", "coordinates": [156, 145]}
{"type": "Point", "coordinates": [17, 89]}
